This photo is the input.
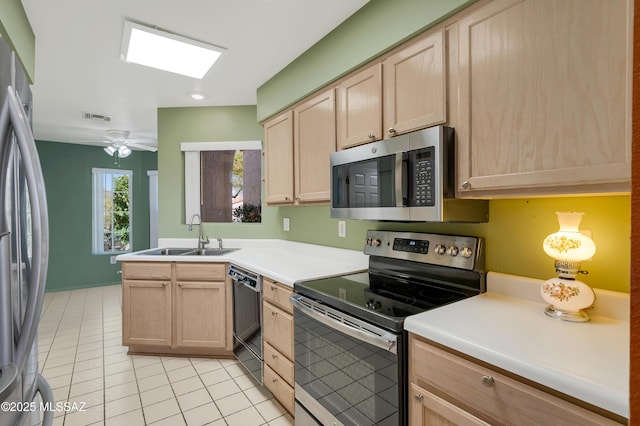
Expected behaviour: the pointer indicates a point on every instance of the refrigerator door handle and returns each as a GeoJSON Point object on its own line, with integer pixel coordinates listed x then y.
{"type": "Point", "coordinates": [39, 225]}
{"type": "Point", "coordinates": [4, 234]}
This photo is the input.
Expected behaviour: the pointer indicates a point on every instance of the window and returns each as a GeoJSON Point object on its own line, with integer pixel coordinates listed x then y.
{"type": "Point", "coordinates": [111, 211]}
{"type": "Point", "coordinates": [223, 181]}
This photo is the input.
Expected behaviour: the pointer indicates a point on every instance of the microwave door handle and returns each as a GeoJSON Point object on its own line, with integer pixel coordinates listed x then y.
{"type": "Point", "coordinates": [401, 179]}
{"type": "Point", "coordinates": [405, 179]}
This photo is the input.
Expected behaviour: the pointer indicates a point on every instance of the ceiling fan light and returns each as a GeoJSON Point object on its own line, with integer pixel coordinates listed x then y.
{"type": "Point", "coordinates": [110, 150]}
{"type": "Point", "coordinates": [123, 151]}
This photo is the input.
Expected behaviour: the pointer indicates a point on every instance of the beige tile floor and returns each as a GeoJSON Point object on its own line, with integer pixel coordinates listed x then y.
{"type": "Point", "coordinates": [82, 357]}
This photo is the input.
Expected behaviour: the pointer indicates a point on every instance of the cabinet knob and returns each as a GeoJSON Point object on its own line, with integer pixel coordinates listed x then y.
{"type": "Point", "coordinates": [419, 397]}
{"type": "Point", "coordinates": [274, 356]}
{"type": "Point", "coordinates": [487, 381]}
{"type": "Point", "coordinates": [273, 288]}
{"type": "Point", "coordinates": [165, 284]}
{"type": "Point", "coordinates": [392, 130]}
{"type": "Point", "coordinates": [274, 313]}
{"type": "Point", "coordinates": [297, 199]}
{"type": "Point", "coordinates": [466, 184]}
{"type": "Point", "coordinates": [286, 198]}
{"type": "Point", "coordinates": [372, 136]}
{"type": "Point", "coordinates": [274, 380]}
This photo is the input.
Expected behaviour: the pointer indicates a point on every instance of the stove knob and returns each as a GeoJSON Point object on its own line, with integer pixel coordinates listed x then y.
{"type": "Point", "coordinates": [453, 251]}
{"type": "Point", "coordinates": [440, 249]}
{"type": "Point", "coordinates": [466, 252]}
{"type": "Point", "coordinates": [376, 242]}
{"type": "Point", "coordinates": [373, 304]}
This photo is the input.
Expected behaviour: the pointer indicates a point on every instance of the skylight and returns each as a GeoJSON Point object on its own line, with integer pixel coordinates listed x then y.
{"type": "Point", "coordinates": [159, 49]}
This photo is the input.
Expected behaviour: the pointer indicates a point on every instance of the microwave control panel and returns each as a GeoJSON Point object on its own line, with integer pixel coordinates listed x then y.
{"type": "Point", "coordinates": [423, 175]}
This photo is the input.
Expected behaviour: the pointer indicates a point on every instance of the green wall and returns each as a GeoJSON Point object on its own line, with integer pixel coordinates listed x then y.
{"type": "Point", "coordinates": [201, 124]}
{"type": "Point", "coordinates": [513, 235]}
{"type": "Point", "coordinates": [15, 28]}
{"type": "Point", "coordinates": [377, 27]}
{"type": "Point", "coordinates": [68, 181]}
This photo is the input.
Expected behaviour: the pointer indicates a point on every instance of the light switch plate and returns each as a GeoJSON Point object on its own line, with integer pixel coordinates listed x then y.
{"type": "Point", "coordinates": [286, 224]}
{"type": "Point", "coordinates": [112, 259]}
{"type": "Point", "coordinates": [342, 228]}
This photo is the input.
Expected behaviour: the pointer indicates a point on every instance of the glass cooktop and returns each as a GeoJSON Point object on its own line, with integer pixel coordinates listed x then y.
{"type": "Point", "coordinates": [384, 301]}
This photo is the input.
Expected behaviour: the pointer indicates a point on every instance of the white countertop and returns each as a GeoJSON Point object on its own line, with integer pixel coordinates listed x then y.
{"type": "Point", "coordinates": [507, 327]}
{"type": "Point", "coordinates": [280, 260]}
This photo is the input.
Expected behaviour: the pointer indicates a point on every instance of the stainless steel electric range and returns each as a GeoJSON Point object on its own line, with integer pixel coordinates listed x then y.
{"type": "Point", "coordinates": [350, 343]}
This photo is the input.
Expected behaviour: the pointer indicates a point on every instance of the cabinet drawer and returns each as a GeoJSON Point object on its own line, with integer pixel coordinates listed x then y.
{"type": "Point", "coordinates": [491, 395]}
{"type": "Point", "coordinates": [280, 389]}
{"type": "Point", "coordinates": [277, 294]}
{"type": "Point", "coordinates": [278, 329]}
{"type": "Point", "coordinates": [146, 271]}
{"type": "Point", "coordinates": [279, 363]}
{"type": "Point", "coordinates": [201, 271]}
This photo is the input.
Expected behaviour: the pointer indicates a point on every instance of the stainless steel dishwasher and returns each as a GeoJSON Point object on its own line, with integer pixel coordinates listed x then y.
{"type": "Point", "coordinates": [247, 319]}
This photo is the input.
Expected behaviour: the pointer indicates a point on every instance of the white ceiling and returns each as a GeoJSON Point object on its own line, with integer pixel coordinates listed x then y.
{"type": "Point", "coordinates": [78, 67]}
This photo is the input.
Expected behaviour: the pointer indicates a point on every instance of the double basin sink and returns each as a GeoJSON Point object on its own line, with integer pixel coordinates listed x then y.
{"type": "Point", "coordinates": [187, 252]}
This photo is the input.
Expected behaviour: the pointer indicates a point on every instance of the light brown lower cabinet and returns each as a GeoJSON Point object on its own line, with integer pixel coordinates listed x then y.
{"type": "Point", "coordinates": [277, 332]}
{"type": "Point", "coordinates": [176, 308]}
{"type": "Point", "coordinates": [447, 388]}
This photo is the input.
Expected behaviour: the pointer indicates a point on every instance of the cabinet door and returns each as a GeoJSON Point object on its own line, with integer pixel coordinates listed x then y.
{"type": "Point", "coordinates": [146, 313]}
{"type": "Point", "coordinates": [359, 108]}
{"type": "Point", "coordinates": [414, 85]}
{"type": "Point", "coordinates": [314, 141]}
{"type": "Point", "coordinates": [278, 329]}
{"type": "Point", "coordinates": [426, 408]}
{"type": "Point", "coordinates": [201, 314]}
{"type": "Point", "coordinates": [278, 150]}
{"type": "Point", "coordinates": [544, 97]}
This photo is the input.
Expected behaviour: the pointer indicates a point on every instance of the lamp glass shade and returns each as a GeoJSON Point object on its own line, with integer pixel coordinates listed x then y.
{"type": "Point", "coordinates": [568, 243]}
{"type": "Point", "coordinates": [123, 151]}
{"type": "Point", "coordinates": [110, 150]}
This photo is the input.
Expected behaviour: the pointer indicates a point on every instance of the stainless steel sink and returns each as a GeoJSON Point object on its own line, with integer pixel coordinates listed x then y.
{"type": "Point", "coordinates": [166, 252]}
{"type": "Point", "coordinates": [209, 252]}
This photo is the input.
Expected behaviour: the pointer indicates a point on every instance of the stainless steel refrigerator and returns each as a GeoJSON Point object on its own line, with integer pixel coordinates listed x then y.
{"type": "Point", "coordinates": [24, 251]}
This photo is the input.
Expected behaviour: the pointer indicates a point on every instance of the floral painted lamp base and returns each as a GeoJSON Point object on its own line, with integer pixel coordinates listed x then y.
{"type": "Point", "coordinates": [567, 298]}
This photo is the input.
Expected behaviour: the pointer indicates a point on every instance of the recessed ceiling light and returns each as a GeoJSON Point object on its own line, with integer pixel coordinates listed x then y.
{"type": "Point", "coordinates": [198, 96]}
{"type": "Point", "coordinates": [166, 51]}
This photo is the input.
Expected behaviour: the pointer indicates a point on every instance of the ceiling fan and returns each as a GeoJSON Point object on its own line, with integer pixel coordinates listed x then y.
{"type": "Point", "coordinates": [120, 145]}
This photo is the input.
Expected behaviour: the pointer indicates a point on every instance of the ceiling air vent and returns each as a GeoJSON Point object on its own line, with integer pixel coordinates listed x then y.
{"type": "Point", "coordinates": [92, 116]}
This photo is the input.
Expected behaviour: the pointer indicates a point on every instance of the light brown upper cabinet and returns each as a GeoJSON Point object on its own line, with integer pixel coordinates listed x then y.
{"type": "Point", "coordinates": [544, 97]}
{"type": "Point", "coordinates": [414, 82]}
{"type": "Point", "coordinates": [278, 152]}
{"type": "Point", "coordinates": [359, 108]}
{"type": "Point", "coordinates": [314, 140]}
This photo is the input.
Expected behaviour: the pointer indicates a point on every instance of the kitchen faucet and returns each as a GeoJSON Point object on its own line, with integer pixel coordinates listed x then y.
{"type": "Point", "coordinates": [219, 243]}
{"type": "Point", "coordinates": [203, 240]}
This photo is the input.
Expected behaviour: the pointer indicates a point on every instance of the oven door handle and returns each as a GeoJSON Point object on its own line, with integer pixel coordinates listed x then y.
{"type": "Point", "coordinates": [386, 341]}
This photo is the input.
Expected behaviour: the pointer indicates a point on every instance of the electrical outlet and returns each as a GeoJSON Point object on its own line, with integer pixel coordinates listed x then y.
{"type": "Point", "coordinates": [112, 259]}
{"type": "Point", "coordinates": [286, 224]}
{"type": "Point", "coordinates": [342, 229]}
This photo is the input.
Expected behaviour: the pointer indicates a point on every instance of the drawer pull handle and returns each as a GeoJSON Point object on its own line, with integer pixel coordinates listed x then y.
{"type": "Point", "coordinates": [487, 381]}
{"type": "Point", "coordinates": [273, 288]}
{"type": "Point", "coordinates": [274, 356]}
{"type": "Point", "coordinates": [419, 397]}
{"type": "Point", "coordinates": [274, 380]}
{"type": "Point", "coordinates": [274, 313]}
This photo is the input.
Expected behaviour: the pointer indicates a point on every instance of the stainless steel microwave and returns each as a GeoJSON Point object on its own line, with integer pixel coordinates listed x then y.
{"type": "Point", "coordinates": [406, 178]}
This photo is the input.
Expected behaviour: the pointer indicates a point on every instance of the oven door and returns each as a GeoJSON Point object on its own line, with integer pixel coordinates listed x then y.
{"type": "Point", "coordinates": [348, 372]}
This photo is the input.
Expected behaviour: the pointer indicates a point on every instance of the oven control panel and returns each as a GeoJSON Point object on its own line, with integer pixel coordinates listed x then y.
{"type": "Point", "coordinates": [456, 251]}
